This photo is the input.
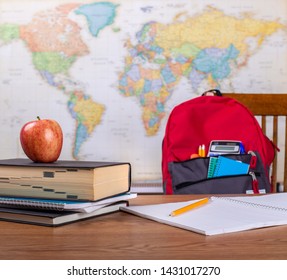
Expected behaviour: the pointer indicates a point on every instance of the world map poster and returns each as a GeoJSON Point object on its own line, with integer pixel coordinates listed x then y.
{"type": "Point", "coordinates": [110, 72]}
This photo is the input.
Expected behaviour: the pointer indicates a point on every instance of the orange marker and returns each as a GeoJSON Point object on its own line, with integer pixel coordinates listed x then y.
{"type": "Point", "coordinates": [203, 150]}
{"type": "Point", "coordinates": [199, 150]}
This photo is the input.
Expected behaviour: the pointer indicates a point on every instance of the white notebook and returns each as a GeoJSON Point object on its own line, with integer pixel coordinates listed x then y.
{"type": "Point", "coordinates": [220, 214]}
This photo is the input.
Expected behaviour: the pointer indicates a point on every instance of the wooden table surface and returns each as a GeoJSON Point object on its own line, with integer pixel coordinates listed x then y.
{"type": "Point", "coordinates": [122, 236]}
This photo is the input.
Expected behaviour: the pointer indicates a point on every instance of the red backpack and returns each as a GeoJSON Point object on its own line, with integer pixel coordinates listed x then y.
{"type": "Point", "coordinates": [206, 118]}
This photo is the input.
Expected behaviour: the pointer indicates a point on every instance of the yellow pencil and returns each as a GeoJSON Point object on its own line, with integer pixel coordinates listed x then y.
{"type": "Point", "coordinates": [189, 207]}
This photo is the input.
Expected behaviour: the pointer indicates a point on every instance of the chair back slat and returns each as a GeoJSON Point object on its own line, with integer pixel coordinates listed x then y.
{"type": "Point", "coordinates": [269, 105]}
{"type": "Point", "coordinates": [285, 157]}
{"type": "Point", "coordinates": [263, 124]}
{"type": "Point", "coordinates": [275, 141]}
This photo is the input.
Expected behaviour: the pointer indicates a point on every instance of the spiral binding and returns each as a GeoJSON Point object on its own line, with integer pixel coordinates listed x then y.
{"type": "Point", "coordinates": [252, 204]}
{"type": "Point", "coordinates": [44, 205]}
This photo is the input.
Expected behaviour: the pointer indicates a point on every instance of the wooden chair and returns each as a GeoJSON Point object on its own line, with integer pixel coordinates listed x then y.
{"type": "Point", "coordinates": [274, 106]}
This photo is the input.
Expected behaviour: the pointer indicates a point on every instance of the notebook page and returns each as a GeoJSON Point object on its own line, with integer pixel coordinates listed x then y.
{"type": "Point", "coordinates": [216, 217]}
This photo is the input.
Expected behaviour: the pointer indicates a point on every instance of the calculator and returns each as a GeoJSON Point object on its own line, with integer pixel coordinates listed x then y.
{"type": "Point", "coordinates": [221, 147]}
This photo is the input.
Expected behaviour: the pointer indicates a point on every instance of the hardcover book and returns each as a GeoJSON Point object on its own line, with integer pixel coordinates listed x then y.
{"type": "Point", "coordinates": [72, 180]}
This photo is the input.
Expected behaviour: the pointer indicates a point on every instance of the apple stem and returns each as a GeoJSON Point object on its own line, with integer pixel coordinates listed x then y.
{"type": "Point", "coordinates": [38, 117]}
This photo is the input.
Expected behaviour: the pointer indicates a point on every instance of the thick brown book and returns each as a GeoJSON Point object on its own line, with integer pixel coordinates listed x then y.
{"type": "Point", "coordinates": [73, 180]}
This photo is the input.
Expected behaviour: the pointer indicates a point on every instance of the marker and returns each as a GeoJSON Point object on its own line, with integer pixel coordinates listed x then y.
{"type": "Point", "coordinates": [203, 150]}
{"type": "Point", "coordinates": [200, 150]}
{"type": "Point", "coordinates": [189, 207]}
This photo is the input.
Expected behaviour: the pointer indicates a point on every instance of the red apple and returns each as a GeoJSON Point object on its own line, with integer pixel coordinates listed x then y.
{"type": "Point", "coordinates": [42, 140]}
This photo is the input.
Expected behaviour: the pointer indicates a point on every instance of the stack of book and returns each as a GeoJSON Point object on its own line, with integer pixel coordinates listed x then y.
{"type": "Point", "coordinates": [63, 191]}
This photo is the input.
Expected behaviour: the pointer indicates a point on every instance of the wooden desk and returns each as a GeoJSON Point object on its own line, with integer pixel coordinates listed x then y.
{"type": "Point", "coordinates": [123, 236]}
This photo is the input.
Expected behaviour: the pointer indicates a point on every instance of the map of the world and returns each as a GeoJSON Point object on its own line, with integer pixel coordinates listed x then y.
{"type": "Point", "coordinates": [111, 71]}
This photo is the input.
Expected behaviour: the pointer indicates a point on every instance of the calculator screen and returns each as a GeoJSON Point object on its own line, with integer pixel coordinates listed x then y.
{"type": "Point", "coordinates": [224, 147]}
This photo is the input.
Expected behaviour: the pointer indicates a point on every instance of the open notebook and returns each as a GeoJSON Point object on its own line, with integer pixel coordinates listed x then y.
{"type": "Point", "coordinates": [220, 214]}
